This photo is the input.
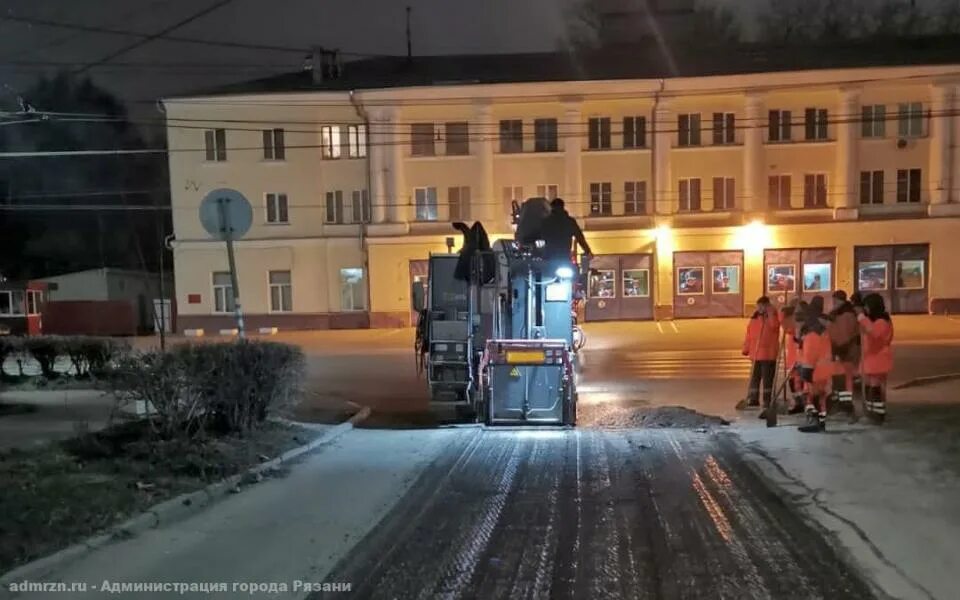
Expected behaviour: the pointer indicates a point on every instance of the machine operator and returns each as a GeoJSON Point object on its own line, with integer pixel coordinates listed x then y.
{"type": "Point", "coordinates": [558, 231]}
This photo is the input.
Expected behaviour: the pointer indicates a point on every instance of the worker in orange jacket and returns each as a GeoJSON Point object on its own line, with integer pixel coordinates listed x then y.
{"type": "Point", "coordinates": [761, 344]}
{"type": "Point", "coordinates": [877, 330]}
{"type": "Point", "coordinates": [816, 364]}
{"type": "Point", "coordinates": [788, 323]}
{"type": "Point", "coordinates": [844, 334]}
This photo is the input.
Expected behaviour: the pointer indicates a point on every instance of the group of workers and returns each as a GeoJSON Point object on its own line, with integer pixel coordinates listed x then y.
{"type": "Point", "coordinates": [854, 338]}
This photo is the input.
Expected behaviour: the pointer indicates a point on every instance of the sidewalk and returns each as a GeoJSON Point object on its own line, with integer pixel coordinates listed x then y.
{"type": "Point", "coordinates": [293, 528]}
{"type": "Point", "coordinates": [32, 418]}
{"type": "Point", "coordinates": [888, 494]}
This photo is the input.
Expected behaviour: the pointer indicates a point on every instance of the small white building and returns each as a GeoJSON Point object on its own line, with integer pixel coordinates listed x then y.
{"type": "Point", "coordinates": [140, 288]}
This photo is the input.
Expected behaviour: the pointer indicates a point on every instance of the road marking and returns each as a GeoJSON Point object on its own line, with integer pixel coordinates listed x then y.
{"type": "Point", "coordinates": [674, 325]}
{"type": "Point", "coordinates": [660, 327]}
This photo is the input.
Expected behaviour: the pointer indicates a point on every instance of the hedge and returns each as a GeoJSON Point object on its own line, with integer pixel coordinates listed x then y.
{"type": "Point", "coordinates": [228, 387]}
{"type": "Point", "coordinates": [88, 355]}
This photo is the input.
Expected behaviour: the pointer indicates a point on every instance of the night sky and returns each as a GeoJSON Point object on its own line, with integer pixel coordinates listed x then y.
{"type": "Point", "coordinates": [355, 26]}
{"type": "Point", "coordinates": [358, 26]}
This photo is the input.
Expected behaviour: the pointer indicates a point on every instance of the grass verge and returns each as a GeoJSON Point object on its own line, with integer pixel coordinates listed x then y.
{"type": "Point", "coordinates": [65, 492]}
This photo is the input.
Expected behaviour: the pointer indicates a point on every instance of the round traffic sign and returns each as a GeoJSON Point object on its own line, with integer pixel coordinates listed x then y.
{"type": "Point", "coordinates": [226, 213]}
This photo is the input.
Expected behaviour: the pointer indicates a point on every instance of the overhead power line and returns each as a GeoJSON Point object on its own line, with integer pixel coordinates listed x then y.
{"type": "Point", "coordinates": [300, 51]}
{"type": "Point", "coordinates": [180, 66]}
{"type": "Point", "coordinates": [405, 137]}
{"type": "Point", "coordinates": [169, 29]}
{"type": "Point", "coordinates": [403, 133]}
{"type": "Point", "coordinates": [59, 41]}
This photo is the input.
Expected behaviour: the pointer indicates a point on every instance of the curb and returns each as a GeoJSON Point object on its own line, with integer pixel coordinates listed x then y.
{"type": "Point", "coordinates": [168, 511]}
{"type": "Point", "coordinates": [922, 381]}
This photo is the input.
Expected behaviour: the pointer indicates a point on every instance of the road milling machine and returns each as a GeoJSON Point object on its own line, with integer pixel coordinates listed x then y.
{"type": "Point", "coordinates": [496, 334]}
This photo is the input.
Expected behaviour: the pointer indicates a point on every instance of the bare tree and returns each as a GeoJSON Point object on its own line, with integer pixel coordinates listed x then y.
{"type": "Point", "coordinates": [947, 19]}
{"type": "Point", "coordinates": [896, 18]}
{"type": "Point", "coordinates": [808, 20]}
{"type": "Point", "coordinates": [826, 20]}
{"type": "Point", "coordinates": [705, 24]}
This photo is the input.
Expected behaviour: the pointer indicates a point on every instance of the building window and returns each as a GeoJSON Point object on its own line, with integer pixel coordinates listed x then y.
{"type": "Point", "coordinates": [690, 195]}
{"type": "Point", "coordinates": [458, 138]}
{"type": "Point", "coordinates": [356, 141]}
{"type": "Point", "coordinates": [815, 124]}
{"type": "Point", "coordinates": [635, 197]}
{"type": "Point", "coordinates": [277, 208]}
{"type": "Point", "coordinates": [11, 303]}
{"type": "Point", "coordinates": [273, 148]}
{"type": "Point", "coordinates": [360, 203]}
{"type": "Point", "coordinates": [601, 199]}
{"type": "Point", "coordinates": [281, 292]}
{"type": "Point", "coordinates": [215, 144]}
{"type": "Point", "coordinates": [35, 300]}
{"type": "Point", "coordinates": [513, 193]}
{"type": "Point", "coordinates": [421, 139]}
{"type": "Point", "coordinates": [724, 128]}
{"type": "Point", "coordinates": [910, 118]}
{"type": "Point", "coordinates": [330, 141]}
{"type": "Point", "coordinates": [724, 193]}
{"type": "Point", "coordinates": [222, 293]}
{"type": "Point", "coordinates": [352, 293]}
{"type": "Point", "coordinates": [778, 192]}
{"type": "Point", "coordinates": [426, 203]}
{"type": "Point", "coordinates": [636, 283]}
{"type": "Point", "coordinates": [779, 126]}
{"type": "Point", "coordinates": [634, 132]}
{"type": "Point", "coordinates": [545, 135]}
{"type": "Point", "coordinates": [548, 191]}
{"type": "Point", "coordinates": [599, 133]}
{"type": "Point", "coordinates": [908, 185]}
{"type": "Point", "coordinates": [511, 136]}
{"type": "Point", "coordinates": [458, 199]}
{"type": "Point", "coordinates": [871, 187]}
{"type": "Point", "coordinates": [873, 121]}
{"type": "Point", "coordinates": [688, 126]}
{"type": "Point", "coordinates": [603, 283]}
{"type": "Point", "coordinates": [815, 190]}
{"type": "Point", "coordinates": [334, 208]}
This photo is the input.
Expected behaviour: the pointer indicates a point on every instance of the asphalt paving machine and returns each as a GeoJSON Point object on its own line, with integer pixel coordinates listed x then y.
{"type": "Point", "coordinates": [496, 330]}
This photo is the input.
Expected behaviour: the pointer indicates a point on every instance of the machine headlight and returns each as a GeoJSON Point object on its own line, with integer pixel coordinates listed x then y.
{"type": "Point", "coordinates": [565, 272]}
{"type": "Point", "coordinates": [558, 292]}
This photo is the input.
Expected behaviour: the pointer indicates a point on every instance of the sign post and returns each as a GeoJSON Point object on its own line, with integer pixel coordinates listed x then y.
{"type": "Point", "coordinates": [227, 216]}
{"type": "Point", "coordinates": [227, 230]}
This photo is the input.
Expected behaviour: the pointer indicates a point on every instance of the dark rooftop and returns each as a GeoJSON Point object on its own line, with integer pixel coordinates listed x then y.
{"type": "Point", "coordinates": [625, 62]}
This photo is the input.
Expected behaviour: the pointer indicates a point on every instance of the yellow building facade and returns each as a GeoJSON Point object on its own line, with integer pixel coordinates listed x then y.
{"type": "Point", "coordinates": [697, 194]}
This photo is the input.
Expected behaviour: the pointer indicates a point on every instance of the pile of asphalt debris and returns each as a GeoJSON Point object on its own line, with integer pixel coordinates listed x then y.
{"type": "Point", "coordinates": [660, 417]}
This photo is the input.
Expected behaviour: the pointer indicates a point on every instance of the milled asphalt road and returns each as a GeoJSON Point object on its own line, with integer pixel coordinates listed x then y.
{"type": "Point", "coordinates": [594, 514]}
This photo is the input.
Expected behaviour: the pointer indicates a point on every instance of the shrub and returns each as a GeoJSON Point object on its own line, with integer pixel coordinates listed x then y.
{"type": "Point", "coordinates": [9, 347]}
{"type": "Point", "coordinates": [230, 387]}
{"type": "Point", "coordinates": [158, 379]}
{"type": "Point", "coordinates": [92, 355]}
{"type": "Point", "coordinates": [45, 349]}
{"type": "Point", "coordinates": [248, 380]}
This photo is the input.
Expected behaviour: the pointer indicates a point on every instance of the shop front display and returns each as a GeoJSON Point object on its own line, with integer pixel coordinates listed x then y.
{"type": "Point", "coordinates": [800, 273]}
{"type": "Point", "coordinates": [708, 284]}
{"type": "Point", "coordinates": [898, 273]}
{"type": "Point", "coordinates": [620, 287]}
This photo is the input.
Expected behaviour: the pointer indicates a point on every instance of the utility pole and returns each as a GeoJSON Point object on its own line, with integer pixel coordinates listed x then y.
{"type": "Point", "coordinates": [409, 41]}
